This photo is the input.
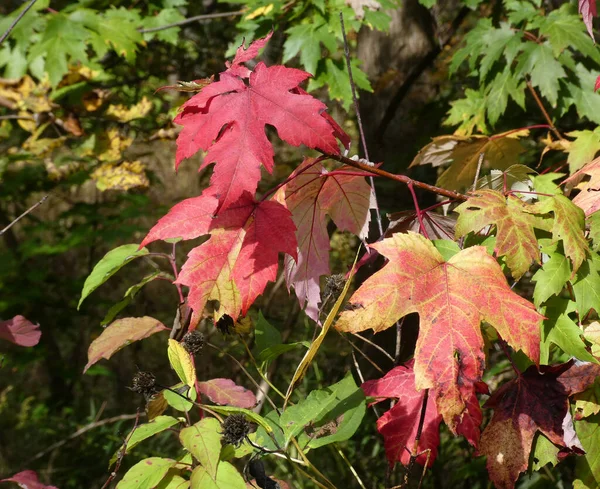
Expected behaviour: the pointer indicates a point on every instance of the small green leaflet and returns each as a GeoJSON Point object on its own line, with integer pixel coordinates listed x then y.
{"type": "Point", "coordinates": [112, 262]}
{"type": "Point", "coordinates": [146, 474]}
{"type": "Point", "coordinates": [268, 342]}
{"type": "Point", "coordinates": [584, 148]}
{"type": "Point", "coordinates": [562, 331]}
{"type": "Point", "coordinates": [586, 285]}
{"type": "Point", "coordinates": [544, 452]}
{"type": "Point", "coordinates": [227, 478]}
{"type": "Point", "coordinates": [551, 278]}
{"type": "Point", "coordinates": [538, 61]}
{"type": "Point", "coordinates": [178, 402]}
{"type": "Point", "coordinates": [144, 431]}
{"type": "Point", "coordinates": [587, 467]}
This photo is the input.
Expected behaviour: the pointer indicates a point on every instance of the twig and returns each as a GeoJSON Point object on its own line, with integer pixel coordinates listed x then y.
{"type": "Point", "coordinates": [399, 178]}
{"type": "Point", "coordinates": [359, 120]}
{"type": "Point", "coordinates": [374, 345]}
{"type": "Point", "coordinates": [32, 208]}
{"type": "Point", "coordinates": [197, 18]}
{"type": "Point", "coordinates": [479, 163]}
{"type": "Point", "coordinates": [122, 453]}
{"type": "Point", "coordinates": [16, 21]}
{"type": "Point", "coordinates": [80, 432]}
{"type": "Point", "coordinates": [540, 104]}
{"type": "Point", "coordinates": [416, 73]}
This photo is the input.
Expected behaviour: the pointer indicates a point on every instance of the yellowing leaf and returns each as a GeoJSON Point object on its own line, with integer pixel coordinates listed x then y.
{"type": "Point", "coordinates": [589, 197]}
{"type": "Point", "coordinates": [500, 152]}
{"type": "Point", "coordinates": [93, 100]}
{"type": "Point", "coordinates": [113, 145]}
{"type": "Point", "coordinates": [452, 298]}
{"type": "Point", "coordinates": [124, 114]}
{"type": "Point", "coordinates": [120, 334]}
{"type": "Point", "coordinates": [123, 176]}
{"type": "Point", "coordinates": [515, 238]}
{"type": "Point", "coordinates": [181, 362]}
{"type": "Point", "coordinates": [26, 95]}
{"type": "Point", "coordinates": [264, 10]}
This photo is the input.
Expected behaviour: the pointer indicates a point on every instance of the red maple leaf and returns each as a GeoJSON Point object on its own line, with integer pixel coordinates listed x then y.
{"type": "Point", "coordinates": [311, 195]}
{"type": "Point", "coordinates": [534, 401]}
{"type": "Point", "coordinates": [228, 118]}
{"type": "Point", "coordinates": [399, 425]}
{"type": "Point", "coordinates": [236, 263]}
{"type": "Point", "coordinates": [452, 298]}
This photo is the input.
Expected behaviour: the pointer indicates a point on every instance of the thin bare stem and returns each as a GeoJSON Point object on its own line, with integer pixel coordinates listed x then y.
{"type": "Point", "coordinates": [197, 18]}
{"type": "Point", "coordinates": [173, 260]}
{"type": "Point", "coordinates": [359, 119]}
{"type": "Point", "coordinates": [16, 21]}
{"type": "Point", "coordinates": [540, 104]}
{"type": "Point", "coordinates": [32, 208]}
{"type": "Point", "coordinates": [504, 347]}
{"type": "Point", "coordinates": [479, 163]}
{"type": "Point", "coordinates": [374, 345]}
{"type": "Point", "coordinates": [415, 451]}
{"type": "Point", "coordinates": [398, 178]}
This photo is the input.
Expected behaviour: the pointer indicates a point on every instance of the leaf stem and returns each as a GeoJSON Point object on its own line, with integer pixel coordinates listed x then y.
{"type": "Point", "coordinates": [196, 18]}
{"type": "Point", "coordinates": [418, 210]}
{"type": "Point", "coordinates": [504, 347]}
{"type": "Point", "coordinates": [540, 104]}
{"type": "Point", "coordinates": [415, 450]}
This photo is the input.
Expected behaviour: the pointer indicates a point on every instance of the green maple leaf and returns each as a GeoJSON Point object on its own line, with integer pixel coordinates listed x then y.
{"type": "Point", "coordinates": [584, 148]}
{"type": "Point", "coordinates": [544, 184]}
{"type": "Point", "coordinates": [505, 84]}
{"type": "Point", "coordinates": [63, 41]}
{"type": "Point", "coordinates": [551, 278]}
{"type": "Point", "coordinates": [468, 113]}
{"type": "Point", "coordinates": [568, 225]}
{"type": "Point", "coordinates": [561, 330]}
{"type": "Point", "coordinates": [306, 40]}
{"type": "Point", "coordinates": [538, 61]}
{"type": "Point", "coordinates": [593, 221]}
{"type": "Point", "coordinates": [564, 29]}
{"type": "Point", "coordinates": [586, 285]}
{"type": "Point", "coordinates": [587, 467]}
{"type": "Point", "coordinates": [515, 237]}
{"type": "Point", "coordinates": [585, 99]}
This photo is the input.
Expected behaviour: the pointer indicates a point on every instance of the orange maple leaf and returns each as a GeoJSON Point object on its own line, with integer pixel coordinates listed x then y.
{"type": "Point", "coordinates": [452, 298]}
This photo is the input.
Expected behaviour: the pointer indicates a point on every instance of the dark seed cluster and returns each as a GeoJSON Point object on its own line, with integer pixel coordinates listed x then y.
{"type": "Point", "coordinates": [334, 285]}
{"type": "Point", "coordinates": [193, 342]}
{"type": "Point", "coordinates": [144, 383]}
{"type": "Point", "coordinates": [225, 324]}
{"type": "Point", "coordinates": [235, 429]}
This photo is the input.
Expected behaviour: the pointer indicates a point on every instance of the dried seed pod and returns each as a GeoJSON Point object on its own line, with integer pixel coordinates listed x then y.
{"type": "Point", "coordinates": [144, 383]}
{"type": "Point", "coordinates": [334, 285]}
{"type": "Point", "coordinates": [193, 342]}
{"type": "Point", "coordinates": [235, 429]}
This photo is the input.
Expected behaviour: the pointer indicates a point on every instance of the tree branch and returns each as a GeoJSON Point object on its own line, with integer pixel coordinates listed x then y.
{"type": "Point", "coordinates": [33, 207]}
{"type": "Point", "coordinates": [399, 178]}
{"type": "Point", "coordinates": [16, 21]}
{"type": "Point", "coordinates": [197, 18]}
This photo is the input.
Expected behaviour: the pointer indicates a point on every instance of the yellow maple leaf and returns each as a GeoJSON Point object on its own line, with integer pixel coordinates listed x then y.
{"type": "Point", "coordinates": [124, 176]}
{"type": "Point", "coordinates": [124, 114]}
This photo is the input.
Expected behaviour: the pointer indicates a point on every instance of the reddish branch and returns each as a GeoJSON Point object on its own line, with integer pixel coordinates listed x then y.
{"type": "Point", "coordinates": [399, 178]}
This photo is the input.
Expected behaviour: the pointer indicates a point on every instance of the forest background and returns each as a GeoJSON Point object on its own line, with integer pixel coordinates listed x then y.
{"type": "Point", "coordinates": [82, 122]}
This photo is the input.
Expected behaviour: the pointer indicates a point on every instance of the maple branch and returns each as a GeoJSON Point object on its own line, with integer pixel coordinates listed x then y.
{"type": "Point", "coordinates": [418, 210]}
{"type": "Point", "coordinates": [32, 208]}
{"type": "Point", "coordinates": [399, 178]}
{"type": "Point", "coordinates": [16, 21]}
{"type": "Point", "coordinates": [197, 18]}
{"type": "Point", "coordinates": [359, 119]}
{"type": "Point", "coordinates": [540, 104]}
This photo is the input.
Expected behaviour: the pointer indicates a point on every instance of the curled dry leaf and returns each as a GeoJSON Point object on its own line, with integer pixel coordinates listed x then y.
{"type": "Point", "coordinates": [20, 331]}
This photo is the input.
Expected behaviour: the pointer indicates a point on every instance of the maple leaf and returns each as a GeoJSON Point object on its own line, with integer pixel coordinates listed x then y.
{"type": "Point", "coordinates": [534, 401]}
{"type": "Point", "coordinates": [228, 118]}
{"type": "Point", "coordinates": [587, 198]}
{"type": "Point", "coordinates": [399, 424]}
{"type": "Point", "coordinates": [568, 225]}
{"type": "Point", "coordinates": [462, 153]}
{"type": "Point", "coordinates": [312, 194]}
{"type": "Point", "coordinates": [28, 479]}
{"type": "Point", "coordinates": [236, 263]}
{"type": "Point", "coordinates": [437, 226]}
{"type": "Point", "coordinates": [515, 238]}
{"type": "Point", "coordinates": [587, 9]}
{"type": "Point", "coordinates": [452, 298]}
